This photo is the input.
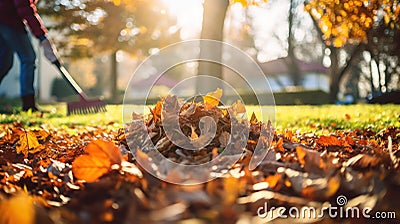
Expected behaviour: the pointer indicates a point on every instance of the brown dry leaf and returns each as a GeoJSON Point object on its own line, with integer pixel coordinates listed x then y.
{"type": "Point", "coordinates": [101, 155]}
{"type": "Point", "coordinates": [212, 99]}
{"type": "Point", "coordinates": [224, 139]}
{"type": "Point", "coordinates": [28, 143]}
{"type": "Point", "coordinates": [321, 190]}
{"type": "Point", "coordinates": [308, 157]}
{"type": "Point", "coordinates": [156, 111]}
{"type": "Point", "coordinates": [363, 161]}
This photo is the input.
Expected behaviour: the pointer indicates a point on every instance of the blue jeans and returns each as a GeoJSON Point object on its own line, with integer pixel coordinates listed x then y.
{"type": "Point", "coordinates": [19, 42]}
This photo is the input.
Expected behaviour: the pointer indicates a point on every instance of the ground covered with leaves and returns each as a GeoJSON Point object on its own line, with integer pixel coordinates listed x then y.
{"type": "Point", "coordinates": [87, 174]}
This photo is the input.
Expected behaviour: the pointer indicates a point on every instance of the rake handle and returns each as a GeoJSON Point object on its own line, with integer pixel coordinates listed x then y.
{"type": "Point", "coordinates": [70, 80]}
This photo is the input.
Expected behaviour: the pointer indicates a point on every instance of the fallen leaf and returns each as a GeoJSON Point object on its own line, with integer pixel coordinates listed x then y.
{"type": "Point", "coordinates": [321, 190]}
{"type": "Point", "coordinates": [100, 148]}
{"type": "Point", "coordinates": [22, 208]}
{"type": "Point", "coordinates": [237, 108]}
{"type": "Point", "coordinates": [10, 209]}
{"type": "Point", "coordinates": [194, 135]}
{"type": "Point", "coordinates": [231, 190]}
{"type": "Point", "coordinates": [328, 141]}
{"type": "Point", "coordinates": [273, 180]}
{"type": "Point", "coordinates": [28, 143]}
{"type": "Point", "coordinates": [363, 161]}
{"type": "Point", "coordinates": [253, 119]}
{"type": "Point", "coordinates": [90, 168]}
{"type": "Point", "coordinates": [212, 99]}
{"type": "Point", "coordinates": [100, 157]}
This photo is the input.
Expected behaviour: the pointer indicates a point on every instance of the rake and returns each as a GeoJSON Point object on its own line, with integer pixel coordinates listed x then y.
{"type": "Point", "coordinates": [84, 105]}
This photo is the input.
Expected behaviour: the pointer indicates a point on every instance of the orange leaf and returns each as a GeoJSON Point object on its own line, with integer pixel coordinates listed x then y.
{"type": "Point", "coordinates": [273, 180]}
{"type": "Point", "coordinates": [156, 111]}
{"type": "Point", "coordinates": [212, 99]}
{"type": "Point", "coordinates": [231, 190]}
{"type": "Point", "coordinates": [328, 141]}
{"type": "Point", "coordinates": [90, 168]}
{"type": "Point", "coordinates": [100, 148]}
{"type": "Point", "coordinates": [10, 209]}
{"type": "Point", "coordinates": [101, 155]}
{"type": "Point", "coordinates": [279, 145]}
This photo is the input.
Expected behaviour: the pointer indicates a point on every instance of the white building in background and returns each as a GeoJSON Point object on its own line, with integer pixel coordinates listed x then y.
{"type": "Point", "coordinates": [45, 73]}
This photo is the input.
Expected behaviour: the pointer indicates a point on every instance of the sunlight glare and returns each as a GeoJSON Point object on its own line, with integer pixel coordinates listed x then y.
{"type": "Point", "coordinates": [189, 15]}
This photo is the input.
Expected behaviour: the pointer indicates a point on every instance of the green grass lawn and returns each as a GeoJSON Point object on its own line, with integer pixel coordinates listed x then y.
{"type": "Point", "coordinates": [296, 118]}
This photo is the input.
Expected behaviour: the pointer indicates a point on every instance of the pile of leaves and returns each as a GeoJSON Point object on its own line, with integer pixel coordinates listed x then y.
{"type": "Point", "coordinates": [89, 175]}
{"type": "Point", "coordinates": [189, 130]}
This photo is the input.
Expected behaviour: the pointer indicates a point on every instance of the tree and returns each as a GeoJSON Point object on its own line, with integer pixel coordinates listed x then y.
{"type": "Point", "coordinates": [294, 70]}
{"type": "Point", "coordinates": [212, 28]}
{"type": "Point", "coordinates": [102, 26]}
{"type": "Point", "coordinates": [349, 24]}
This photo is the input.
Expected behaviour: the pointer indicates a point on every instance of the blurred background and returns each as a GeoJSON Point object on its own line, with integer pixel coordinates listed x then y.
{"type": "Point", "coordinates": [312, 51]}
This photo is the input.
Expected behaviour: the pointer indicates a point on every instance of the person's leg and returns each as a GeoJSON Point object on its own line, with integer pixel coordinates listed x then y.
{"type": "Point", "coordinates": [20, 43]}
{"type": "Point", "coordinates": [6, 57]}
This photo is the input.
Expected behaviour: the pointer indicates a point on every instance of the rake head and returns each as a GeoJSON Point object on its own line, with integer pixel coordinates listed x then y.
{"type": "Point", "coordinates": [86, 107]}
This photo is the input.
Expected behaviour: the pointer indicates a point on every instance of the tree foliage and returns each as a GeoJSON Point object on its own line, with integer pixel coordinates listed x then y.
{"type": "Point", "coordinates": [353, 28]}
{"type": "Point", "coordinates": [92, 26]}
{"type": "Point", "coordinates": [350, 20]}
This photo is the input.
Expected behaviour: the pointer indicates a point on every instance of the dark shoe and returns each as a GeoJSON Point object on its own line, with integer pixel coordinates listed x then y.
{"type": "Point", "coordinates": [28, 103]}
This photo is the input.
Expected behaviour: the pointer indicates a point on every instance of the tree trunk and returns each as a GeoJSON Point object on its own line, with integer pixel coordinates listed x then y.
{"type": "Point", "coordinates": [293, 66]}
{"type": "Point", "coordinates": [114, 76]}
{"type": "Point", "coordinates": [212, 28]}
{"type": "Point", "coordinates": [371, 77]}
{"type": "Point", "coordinates": [334, 75]}
{"type": "Point", "coordinates": [337, 73]}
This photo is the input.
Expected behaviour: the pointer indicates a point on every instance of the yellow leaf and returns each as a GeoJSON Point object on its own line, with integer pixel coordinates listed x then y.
{"type": "Point", "coordinates": [194, 135]}
{"type": "Point", "coordinates": [17, 209]}
{"type": "Point", "coordinates": [239, 107]}
{"type": "Point", "coordinates": [253, 119]}
{"type": "Point", "coordinates": [337, 42]}
{"type": "Point", "coordinates": [28, 143]}
{"type": "Point", "coordinates": [212, 99]}
{"type": "Point", "coordinates": [242, 2]}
